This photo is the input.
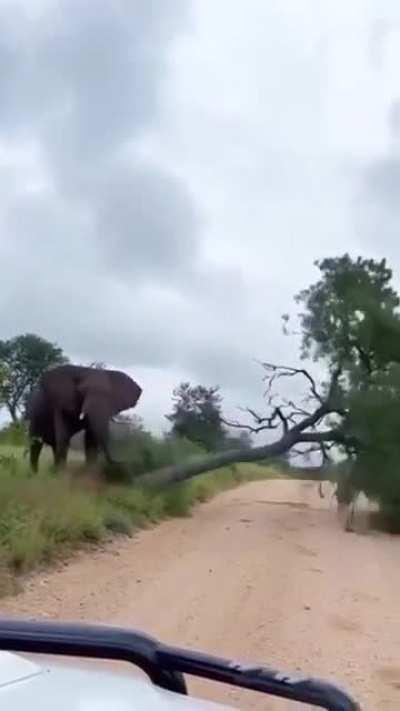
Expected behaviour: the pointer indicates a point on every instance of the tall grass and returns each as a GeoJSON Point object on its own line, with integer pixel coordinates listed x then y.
{"type": "Point", "coordinates": [46, 516]}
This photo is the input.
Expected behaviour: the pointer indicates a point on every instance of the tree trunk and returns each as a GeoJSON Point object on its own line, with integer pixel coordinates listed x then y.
{"type": "Point", "coordinates": [13, 411]}
{"type": "Point", "coordinates": [198, 465]}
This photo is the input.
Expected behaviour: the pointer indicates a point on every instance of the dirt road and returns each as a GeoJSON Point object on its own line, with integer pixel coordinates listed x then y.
{"type": "Point", "coordinates": [263, 572]}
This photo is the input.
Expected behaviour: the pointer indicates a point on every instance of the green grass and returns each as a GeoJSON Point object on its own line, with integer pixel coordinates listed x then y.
{"type": "Point", "coordinates": [44, 517]}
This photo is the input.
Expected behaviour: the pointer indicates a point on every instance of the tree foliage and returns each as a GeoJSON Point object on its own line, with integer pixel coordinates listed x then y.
{"type": "Point", "coordinates": [374, 419]}
{"type": "Point", "coordinates": [23, 359]}
{"type": "Point", "coordinates": [196, 415]}
{"type": "Point", "coordinates": [350, 315]}
{"type": "Point", "coordinates": [350, 319]}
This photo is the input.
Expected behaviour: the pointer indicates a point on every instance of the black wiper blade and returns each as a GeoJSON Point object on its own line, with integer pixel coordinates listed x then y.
{"type": "Point", "coordinates": [166, 665]}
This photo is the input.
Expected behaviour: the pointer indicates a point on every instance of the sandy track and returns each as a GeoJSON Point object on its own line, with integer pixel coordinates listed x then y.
{"type": "Point", "coordinates": [263, 572]}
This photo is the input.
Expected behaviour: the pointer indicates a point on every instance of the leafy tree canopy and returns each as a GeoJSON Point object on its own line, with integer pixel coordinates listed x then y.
{"type": "Point", "coordinates": [23, 359]}
{"type": "Point", "coordinates": [350, 319]}
{"type": "Point", "coordinates": [350, 315]}
{"type": "Point", "coordinates": [196, 415]}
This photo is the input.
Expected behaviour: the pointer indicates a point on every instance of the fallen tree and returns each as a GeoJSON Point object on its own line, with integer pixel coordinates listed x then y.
{"type": "Point", "coordinates": [298, 425]}
{"type": "Point", "coordinates": [350, 323]}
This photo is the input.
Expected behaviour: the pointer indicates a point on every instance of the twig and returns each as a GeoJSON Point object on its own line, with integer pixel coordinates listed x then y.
{"type": "Point", "coordinates": [276, 372]}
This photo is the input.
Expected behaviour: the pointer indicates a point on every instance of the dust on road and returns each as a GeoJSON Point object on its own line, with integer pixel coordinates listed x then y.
{"type": "Point", "coordinates": [263, 573]}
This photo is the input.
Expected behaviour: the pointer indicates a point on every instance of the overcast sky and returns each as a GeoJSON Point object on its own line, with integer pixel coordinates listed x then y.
{"type": "Point", "coordinates": [169, 171]}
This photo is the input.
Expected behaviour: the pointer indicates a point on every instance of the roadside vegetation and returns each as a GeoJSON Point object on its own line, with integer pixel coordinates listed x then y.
{"type": "Point", "coordinates": [45, 517]}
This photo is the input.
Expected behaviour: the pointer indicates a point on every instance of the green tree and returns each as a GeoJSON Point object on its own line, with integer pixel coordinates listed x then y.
{"type": "Point", "coordinates": [23, 359]}
{"type": "Point", "coordinates": [374, 419]}
{"type": "Point", "coordinates": [350, 320]}
{"type": "Point", "coordinates": [196, 415]}
{"type": "Point", "coordinates": [350, 315]}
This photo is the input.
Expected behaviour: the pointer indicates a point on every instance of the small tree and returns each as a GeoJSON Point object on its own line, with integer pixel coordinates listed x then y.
{"type": "Point", "coordinates": [196, 415]}
{"type": "Point", "coordinates": [23, 360]}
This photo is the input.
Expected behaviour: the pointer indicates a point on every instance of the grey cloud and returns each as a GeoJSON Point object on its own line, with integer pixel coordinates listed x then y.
{"type": "Point", "coordinates": [394, 119]}
{"type": "Point", "coordinates": [377, 208]}
{"type": "Point", "coordinates": [147, 327]}
{"type": "Point", "coordinates": [145, 221]}
{"type": "Point", "coordinates": [93, 69]}
{"type": "Point", "coordinates": [382, 183]}
{"type": "Point", "coordinates": [80, 81]}
{"type": "Point", "coordinates": [164, 200]}
{"type": "Point", "coordinates": [136, 223]}
{"type": "Point", "coordinates": [380, 30]}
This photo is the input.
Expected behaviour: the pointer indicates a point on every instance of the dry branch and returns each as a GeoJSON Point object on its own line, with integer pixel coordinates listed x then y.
{"type": "Point", "coordinates": [199, 465]}
{"type": "Point", "coordinates": [275, 372]}
{"type": "Point", "coordinates": [293, 433]}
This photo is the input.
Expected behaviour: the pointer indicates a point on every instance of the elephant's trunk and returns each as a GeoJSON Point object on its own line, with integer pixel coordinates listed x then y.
{"type": "Point", "coordinates": [97, 413]}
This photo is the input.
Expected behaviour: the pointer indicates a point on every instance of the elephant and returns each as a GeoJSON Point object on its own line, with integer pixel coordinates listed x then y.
{"type": "Point", "coordinates": [71, 398]}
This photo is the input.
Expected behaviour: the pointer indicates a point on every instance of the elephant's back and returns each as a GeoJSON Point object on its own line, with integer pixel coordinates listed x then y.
{"type": "Point", "coordinates": [63, 373]}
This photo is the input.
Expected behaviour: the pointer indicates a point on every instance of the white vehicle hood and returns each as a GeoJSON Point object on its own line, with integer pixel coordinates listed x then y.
{"type": "Point", "coordinates": [14, 668]}
{"type": "Point", "coordinates": [44, 684]}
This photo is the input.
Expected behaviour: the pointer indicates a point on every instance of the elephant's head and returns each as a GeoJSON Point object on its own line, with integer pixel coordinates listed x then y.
{"type": "Point", "coordinates": [108, 390]}
{"type": "Point", "coordinates": [71, 387]}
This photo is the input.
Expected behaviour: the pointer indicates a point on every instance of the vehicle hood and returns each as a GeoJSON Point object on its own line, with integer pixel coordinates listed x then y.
{"type": "Point", "coordinates": [48, 683]}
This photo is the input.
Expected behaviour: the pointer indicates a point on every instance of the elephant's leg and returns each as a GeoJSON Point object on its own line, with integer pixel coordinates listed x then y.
{"type": "Point", "coordinates": [91, 448]}
{"type": "Point", "coordinates": [60, 456]}
{"type": "Point", "coordinates": [35, 449]}
{"type": "Point", "coordinates": [62, 439]}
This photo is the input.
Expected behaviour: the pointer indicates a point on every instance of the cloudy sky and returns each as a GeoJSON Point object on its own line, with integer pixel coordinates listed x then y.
{"type": "Point", "coordinates": [169, 171]}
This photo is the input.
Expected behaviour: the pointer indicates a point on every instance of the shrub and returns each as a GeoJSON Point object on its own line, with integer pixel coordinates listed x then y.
{"type": "Point", "coordinates": [14, 434]}
{"type": "Point", "coordinates": [142, 452]}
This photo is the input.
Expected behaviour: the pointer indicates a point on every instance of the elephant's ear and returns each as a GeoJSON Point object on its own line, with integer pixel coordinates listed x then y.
{"type": "Point", "coordinates": [117, 390]}
{"type": "Point", "coordinates": [125, 391]}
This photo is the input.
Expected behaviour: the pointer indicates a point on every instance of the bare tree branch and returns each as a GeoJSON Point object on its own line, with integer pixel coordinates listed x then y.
{"type": "Point", "coordinates": [276, 372]}
{"type": "Point", "coordinates": [244, 426]}
{"type": "Point", "coordinates": [294, 432]}
{"type": "Point", "coordinates": [280, 416]}
{"type": "Point", "coordinates": [270, 422]}
{"type": "Point", "coordinates": [198, 465]}
{"type": "Point", "coordinates": [296, 409]}
{"type": "Point", "coordinates": [283, 419]}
